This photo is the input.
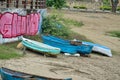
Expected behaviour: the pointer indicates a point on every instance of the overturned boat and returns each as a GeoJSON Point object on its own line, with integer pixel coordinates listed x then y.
{"type": "Point", "coordinates": [66, 46]}
{"type": "Point", "coordinates": [86, 47]}
{"type": "Point", "coordinates": [40, 47]}
{"type": "Point", "coordinates": [99, 48]}
{"type": "Point", "coordinates": [8, 74]}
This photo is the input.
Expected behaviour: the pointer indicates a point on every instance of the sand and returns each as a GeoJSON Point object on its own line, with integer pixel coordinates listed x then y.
{"type": "Point", "coordinates": [97, 67]}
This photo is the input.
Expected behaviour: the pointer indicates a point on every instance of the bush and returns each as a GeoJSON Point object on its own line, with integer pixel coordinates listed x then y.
{"type": "Point", "coordinates": [105, 8]}
{"type": "Point", "coordinates": [50, 3]}
{"type": "Point", "coordinates": [118, 8]}
{"type": "Point", "coordinates": [53, 27]}
{"type": "Point", "coordinates": [66, 6]}
{"type": "Point", "coordinates": [58, 4]}
{"type": "Point", "coordinates": [82, 7]}
{"type": "Point", "coordinates": [79, 7]}
{"type": "Point", "coordinates": [106, 2]}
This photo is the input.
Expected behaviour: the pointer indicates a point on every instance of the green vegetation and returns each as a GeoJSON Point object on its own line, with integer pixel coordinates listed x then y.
{"type": "Point", "coordinates": [66, 6]}
{"type": "Point", "coordinates": [52, 26]}
{"type": "Point", "coordinates": [58, 4]}
{"type": "Point", "coordinates": [105, 8]}
{"type": "Point", "coordinates": [58, 26]}
{"type": "Point", "coordinates": [7, 51]}
{"type": "Point", "coordinates": [69, 22]}
{"type": "Point", "coordinates": [114, 33]}
{"type": "Point", "coordinates": [118, 8]}
{"type": "Point", "coordinates": [66, 21]}
{"type": "Point", "coordinates": [108, 8]}
{"type": "Point", "coordinates": [106, 2]}
{"type": "Point", "coordinates": [80, 7]}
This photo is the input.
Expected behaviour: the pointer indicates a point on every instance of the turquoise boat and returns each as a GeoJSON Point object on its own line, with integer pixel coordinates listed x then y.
{"type": "Point", "coordinates": [66, 46]}
{"type": "Point", "coordinates": [8, 74]}
{"type": "Point", "coordinates": [40, 47]}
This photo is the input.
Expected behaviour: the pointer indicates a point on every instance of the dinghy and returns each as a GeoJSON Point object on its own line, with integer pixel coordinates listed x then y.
{"type": "Point", "coordinates": [99, 48]}
{"type": "Point", "coordinates": [41, 47]}
{"type": "Point", "coordinates": [96, 47]}
{"type": "Point", "coordinates": [66, 46]}
{"type": "Point", "coordinates": [8, 74]}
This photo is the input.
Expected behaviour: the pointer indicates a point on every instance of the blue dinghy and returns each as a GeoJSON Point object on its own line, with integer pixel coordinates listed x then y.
{"type": "Point", "coordinates": [99, 48]}
{"type": "Point", "coordinates": [66, 46]}
{"type": "Point", "coordinates": [96, 47]}
{"type": "Point", "coordinates": [41, 47]}
{"type": "Point", "coordinates": [8, 74]}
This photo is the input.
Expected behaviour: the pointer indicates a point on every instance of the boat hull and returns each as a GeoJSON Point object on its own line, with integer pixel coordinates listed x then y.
{"type": "Point", "coordinates": [96, 47]}
{"type": "Point", "coordinates": [65, 45]}
{"type": "Point", "coordinates": [8, 74]}
{"type": "Point", "coordinates": [99, 48]}
{"type": "Point", "coordinates": [41, 47]}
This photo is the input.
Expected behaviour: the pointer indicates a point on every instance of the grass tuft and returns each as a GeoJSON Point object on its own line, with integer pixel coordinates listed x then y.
{"type": "Point", "coordinates": [8, 51]}
{"type": "Point", "coordinates": [68, 22]}
{"type": "Point", "coordinates": [114, 33]}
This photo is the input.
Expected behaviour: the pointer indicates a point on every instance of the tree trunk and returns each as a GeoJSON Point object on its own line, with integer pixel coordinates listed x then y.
{"type": "Point", "coordinates": [114, 5]}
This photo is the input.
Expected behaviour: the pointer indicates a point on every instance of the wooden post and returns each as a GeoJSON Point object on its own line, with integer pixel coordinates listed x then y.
{"type": "Point", "coordinates": [36, 4]}
{"type": "Point", "coordinates": [24, 49]}
{"type": "Point", "coordinates": [31, 6]}
{"type": "Point", "coordinates": [45, 4]}
{"type": "Point", "coordinates": [25, 3]}
{"type": "Point", "coordinates": [7, 5]}
{"type": "Point", "coordinates": [17, 2]}
{"type": "Point", "coordinates": [39, 4]}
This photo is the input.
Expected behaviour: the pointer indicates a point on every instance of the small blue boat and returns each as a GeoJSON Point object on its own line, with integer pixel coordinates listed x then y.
{"type": "Point", "coordinates": [99, 48]}
{"type": "Point", "coordinates": [8, 74]}
{"type": "Point", "coordinates": [41, 47]}
{"type": "Point", "coordinates": [96, 47]}
{"type": "Point", "coordinates": [66, 46]}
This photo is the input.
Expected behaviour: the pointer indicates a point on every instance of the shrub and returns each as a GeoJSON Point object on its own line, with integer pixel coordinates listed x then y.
{"type": "Point", "coordinates": [58, 4]}
{"type": "Point", "coordinates": [77, 7]}
{"type": "Point", "coordinates": [52, 26]}
{"type": "Point", "coordinates": [105, 8]}
{"type": "Point", "coordinates": [50, 3]}
{"type": "Point", "coordinates": [106, 2]}
{"type": "Point", "coordinates": [118, 8]}
{"type": "Point", "coordinates": [80, 7]}
{"type": "Point", "coordinates": [66, 6]}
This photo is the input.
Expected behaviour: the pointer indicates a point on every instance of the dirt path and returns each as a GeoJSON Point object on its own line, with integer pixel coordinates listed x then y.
{"type": "Point", "coordinates": [97, 67]}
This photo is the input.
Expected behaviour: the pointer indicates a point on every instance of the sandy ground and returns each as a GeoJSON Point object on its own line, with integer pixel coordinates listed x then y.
{"type": "Point", "coordinates": [95, 27]}
{"type": "Point", "coordinates": [97, 67]}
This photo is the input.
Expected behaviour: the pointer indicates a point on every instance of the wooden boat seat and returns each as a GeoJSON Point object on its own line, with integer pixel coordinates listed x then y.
{"type": "Point", "coordinates": [75, 42]}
